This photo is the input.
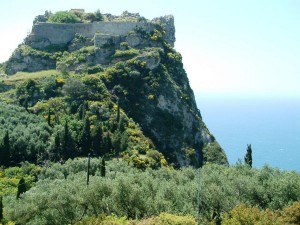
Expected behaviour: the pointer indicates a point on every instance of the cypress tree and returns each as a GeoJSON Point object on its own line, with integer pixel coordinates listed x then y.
{"type": "Point", "coordinates": [117, 139]}
{"type": "Point", "coordinates": [118, 111]}
{"type": "Point", "coordinates": [88, 170]}
{"type": "Point", "coordinates": [107, 144]}
{"type": "Point", "coordinates": [21, 187]}
{"type": "Point", "coordinates": [86, 137]}
{"type": "Point", "coordinates": [122, 124]}
{"type": "Point", "coordinates": [98, 15]}
{"type": "Point", "coordinates": [248, 156]}
{"type": "Point", "coordinates": [57, 147]}
{"type": "Point", "coordinates": [97, 141]}
{"type": "Point", "coordinates": [82, 110]}
{"type": "Point", "coordinates": [56, 119]}
{"type": "Point", "coordinates": [5, 150]}
{"type": "Point", "coordinates": [49, 117]}
{"type": "Point", "coordinates": [68, 145]}
{"type": "Point", "coordinates": [103, 167]}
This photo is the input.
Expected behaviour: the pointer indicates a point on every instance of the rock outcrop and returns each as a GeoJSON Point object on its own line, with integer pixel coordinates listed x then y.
{"type": "Point", "coordinates": [142, 70]}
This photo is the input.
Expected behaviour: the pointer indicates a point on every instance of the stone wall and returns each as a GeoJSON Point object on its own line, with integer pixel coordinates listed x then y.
{"type": "Point", "coordinates": [44, 34]}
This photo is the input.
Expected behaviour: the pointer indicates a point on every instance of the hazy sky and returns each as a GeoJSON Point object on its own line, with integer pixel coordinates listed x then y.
{"type": "Point", "coordinates": [233, 47]}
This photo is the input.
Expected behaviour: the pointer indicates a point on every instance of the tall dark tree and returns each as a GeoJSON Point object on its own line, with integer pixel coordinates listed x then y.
{"type": "Point", "coordinates": [103, 167]}
{"type": "Point", "coordinates": [199, 158]}
{"type": "Point", "coordinates": [117, 139]}
{"type": "Point", "coordinates": [118, 111]}
{"type": "Point", "coordinates": [21, 187]}
{"type": "Point", "coordinates": [107, 144]}
{"type": "Point", "coordinates": [56, 118]}
{"type": "Point", "coordinates": [98, 15]}
{"type": "Point", "coordinates": [68, 144]}
{"type": "Point", "coordinates": [122, 124]}
{"type": "Point", "coordinates": [86, 137]}
{"type": "Point", "coordinates": [26, 93]}
{"type": "Point", "coordinates": [49, 117]}
{"type": "Point", "coordinates": [97, 141]}
{"type": "Point", "coordinates": [57, 146]}
{"type": "Point", "coordinates": [248, 156]}
{"type": "Point", "coordinates": [82, 110]}
{"type": "Point", "coordinates": [88, 170]}
{"type": "Point", "coordinates": [5, 150]}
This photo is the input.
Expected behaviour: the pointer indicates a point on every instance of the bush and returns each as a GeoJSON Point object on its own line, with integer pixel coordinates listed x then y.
{"type": "Point", "coordinates": [93, 17]}
{"type": "Point", "coordinates": [291, 215]}
{"type": "Point", "coordinates": [126, 54]}
{"type": "Point", "coordinates": [243, 214]}
{"type": "Point", "coordinates": [166, 218]}
{"type": "Point", "coordinates": [64, 17]}
{"type": "Point", "coordinates": [162, 219]}
{"type": "Point", "coordinates": [95, 69]}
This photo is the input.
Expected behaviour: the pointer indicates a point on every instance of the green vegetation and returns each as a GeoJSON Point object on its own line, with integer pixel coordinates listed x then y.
{"type": "Point", "coordinates": [25, 136]}
{"type": "Point", "coordinates": [106, 143]}
{"type": "Point", "coordinates": [74, 17]}
{"type": "Point", "coordinates": [248, 156]}
{"type": "Point", "coordinates": [93, 17]}
{"type": "Point", "coordinates": [108, 96]}
{"type": "Point", "coordinates": [113, 88]}
{"type": "Point", "coordinates": [161, 219]}
{"type": "Point", "coordinates": [10, 178]}
{"type": "Point", "coordinates": [126, 54]}
{"type": "Point", "coordinates": [228, 194]}
{"type": "Point", "coordinates": [72, 125]}
{"type": "Point", "coordinates": [63, 17]}
{"type": "Point", "coordinates": [69, 61]}
{"type": "Point", "coordinates": [21, 188]}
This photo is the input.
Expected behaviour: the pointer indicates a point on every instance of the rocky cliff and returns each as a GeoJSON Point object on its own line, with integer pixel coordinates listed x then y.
{"type": "Point", "coordinates": [140, 69]}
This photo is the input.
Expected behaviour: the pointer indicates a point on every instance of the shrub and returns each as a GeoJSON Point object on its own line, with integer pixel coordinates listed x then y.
{"type": "Point", "coordinates": [243, 214]}
{"type": "Point", "coordinates": [95, 69]}
{"type": "Point", "coordinates": [291, 215]}
{"type": "Point", "coordinates": [64, 17]}
{"type": "Point", "coordinates": [130, 53]}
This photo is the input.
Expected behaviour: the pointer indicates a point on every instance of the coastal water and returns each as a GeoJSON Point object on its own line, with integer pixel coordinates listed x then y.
{"type": "Point", "coordinates": [270, 125]}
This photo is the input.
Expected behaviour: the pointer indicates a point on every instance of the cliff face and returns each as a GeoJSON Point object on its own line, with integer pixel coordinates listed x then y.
{"type": "Point", "coordinates": [158, 96]}
{"type": "Point", "coordinates": [140, 69]}
{"type": "Point", "coordinates": [56, 37]}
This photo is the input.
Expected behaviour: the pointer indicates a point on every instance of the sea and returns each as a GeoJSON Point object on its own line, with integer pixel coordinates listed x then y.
{"type": "Point", "coordinates": [270, 125]}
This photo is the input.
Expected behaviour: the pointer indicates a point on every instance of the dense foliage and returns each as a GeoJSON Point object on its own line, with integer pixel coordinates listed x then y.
{"type": "Point", "coordinates": [31, 138]}
{"type": "Point", "coordinates": [22, 135]}
{"type": "Point", "coordinates": [115, 99]}
{"type": "Point", "coordinates": [120, 104]}
{"type": "Point", "coordinates": [107, 98]}
{"type": "Point", "coordinates": [64, 17]}
{"type": "Point", "coordinates": [73, 17]}
{"type": "Point", "coordinates": [127, 192]}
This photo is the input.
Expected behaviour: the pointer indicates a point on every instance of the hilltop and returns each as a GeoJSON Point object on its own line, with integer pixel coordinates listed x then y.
{"type": "Point", "coordinates": [100, 126]}
{"type": "Point", "coordinates": [115, 84]}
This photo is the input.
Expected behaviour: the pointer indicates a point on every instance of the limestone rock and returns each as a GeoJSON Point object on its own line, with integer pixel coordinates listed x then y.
{"type": "Point", "coordinates": [139, 60]}
{"type": "Point", "coordinates": [152, 59]}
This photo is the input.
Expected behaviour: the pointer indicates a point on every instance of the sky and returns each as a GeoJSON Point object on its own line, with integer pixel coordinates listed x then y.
{"type": "Point", "coordinates": [233, 47]}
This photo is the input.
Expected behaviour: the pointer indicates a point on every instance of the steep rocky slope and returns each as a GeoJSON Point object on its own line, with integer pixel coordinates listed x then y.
{"type": "Point", "coordinates": [134, 61]}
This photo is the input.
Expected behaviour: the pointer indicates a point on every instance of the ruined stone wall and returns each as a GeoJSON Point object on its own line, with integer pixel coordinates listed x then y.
{"type": "Point", "coordinates": [44, 34]}
{"type": "Point", "coordinates": [56, 33]}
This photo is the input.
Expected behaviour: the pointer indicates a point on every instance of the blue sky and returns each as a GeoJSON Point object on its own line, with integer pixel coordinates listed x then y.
{"type": "Point", "coordinates": [233, 47]}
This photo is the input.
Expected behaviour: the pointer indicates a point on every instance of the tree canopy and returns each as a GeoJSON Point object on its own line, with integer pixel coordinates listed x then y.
{"type": "Point", "coordinates": [64, 17]}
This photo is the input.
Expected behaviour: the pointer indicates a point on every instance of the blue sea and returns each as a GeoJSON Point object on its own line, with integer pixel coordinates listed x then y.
{"type": "Point", "coordinates": [270, 125]}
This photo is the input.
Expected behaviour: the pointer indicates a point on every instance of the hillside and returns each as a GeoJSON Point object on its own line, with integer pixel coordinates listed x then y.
{"type": "Point", "coordinates": [99, 125]}
{"type": "Point", "coordinates": [116, 84]}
